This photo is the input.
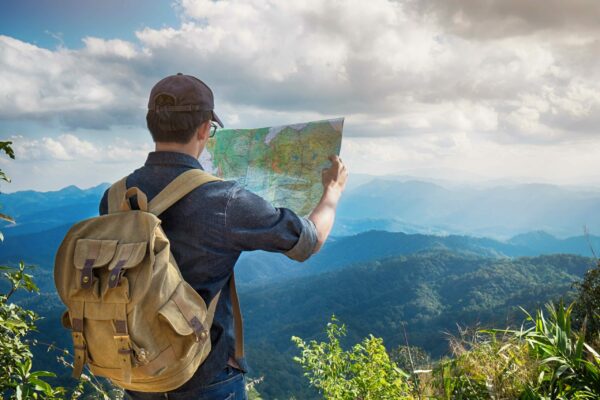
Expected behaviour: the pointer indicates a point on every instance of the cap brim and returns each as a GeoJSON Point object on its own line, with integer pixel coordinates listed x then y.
{"type": "Point", "coordinates": [217, 120]}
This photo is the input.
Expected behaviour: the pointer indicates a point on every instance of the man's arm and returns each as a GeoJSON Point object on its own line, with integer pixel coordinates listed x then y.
{"type": "Point", "coordinates": [252, 223]}
{"type": "Point", "coordinates": [323, 215]}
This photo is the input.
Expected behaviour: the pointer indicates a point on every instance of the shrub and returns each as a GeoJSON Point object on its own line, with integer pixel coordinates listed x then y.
{"type": "Point", "coordinates": [484, 366]}
{"type": "Point", "coordinates": [364, 372]}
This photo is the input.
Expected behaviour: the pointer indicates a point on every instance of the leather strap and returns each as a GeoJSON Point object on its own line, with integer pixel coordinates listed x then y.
{"type": "Point", "coordinates": [79, 345]}
{"type": "Point", "coordinates": [116, 193]}
{"type": "Point", "coordinates": [179, 187]}
{"type": "Point", "coordinates": [122, 340]}
{"type": "Point", "coordinates": [238, 323]}
{"type": "Point", "coordinates": [87, 274]}
{"type": "Point", "coordinates": [115, 275]}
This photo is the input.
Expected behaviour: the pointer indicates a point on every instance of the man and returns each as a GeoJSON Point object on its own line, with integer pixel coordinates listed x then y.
{"type": "Point", "coordinates": [210, 227]}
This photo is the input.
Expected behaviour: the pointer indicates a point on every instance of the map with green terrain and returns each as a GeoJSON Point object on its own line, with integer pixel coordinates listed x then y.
{"type": "Point", "coordinates": [282, 164]}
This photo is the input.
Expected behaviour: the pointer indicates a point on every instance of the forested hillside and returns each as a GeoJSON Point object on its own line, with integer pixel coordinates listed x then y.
{"type": "Point", "coordinates": [430, 292]}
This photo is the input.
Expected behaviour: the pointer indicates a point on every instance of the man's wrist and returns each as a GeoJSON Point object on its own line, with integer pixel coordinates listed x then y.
{"type": "Point", "coordinates": [332, 192]}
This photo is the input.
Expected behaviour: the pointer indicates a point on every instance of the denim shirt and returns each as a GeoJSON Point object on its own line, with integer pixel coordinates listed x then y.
{"type": "Point", "coordinates": [208, 229]}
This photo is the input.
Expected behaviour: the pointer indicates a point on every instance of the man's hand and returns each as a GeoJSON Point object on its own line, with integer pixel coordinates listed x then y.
{"type": "Point", "coordinates": [335, 176]}
{"type": "Point", "coordinates": [334, 183]}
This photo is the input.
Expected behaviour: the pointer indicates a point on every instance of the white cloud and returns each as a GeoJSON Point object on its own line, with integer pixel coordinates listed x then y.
{"type": "Point", "coordinates": [88, 87]}
{"type": "Point", "coordinates": [69, 147]}
{"type": "Point", "coordinates": [109, 48]}
{"type": "Point", "coordinates": [439, 81]}
{"type": "Point", "coordinates": [401, 71]}
{"type": "Point", "coordinates": [491, 19]}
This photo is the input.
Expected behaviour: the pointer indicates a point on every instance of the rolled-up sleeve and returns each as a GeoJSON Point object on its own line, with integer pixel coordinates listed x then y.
{"type": "Point", "coordinates": [252, 223]}
{"type": "Point", "coordinates": [305, 245]}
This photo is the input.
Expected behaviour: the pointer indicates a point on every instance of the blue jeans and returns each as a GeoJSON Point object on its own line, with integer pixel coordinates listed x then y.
{"type": "Point", "coordinates": [230, 384]}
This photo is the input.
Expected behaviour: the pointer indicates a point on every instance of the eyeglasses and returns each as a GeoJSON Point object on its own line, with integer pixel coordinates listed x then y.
{"type": "Point", "coordinates": [213, 129]}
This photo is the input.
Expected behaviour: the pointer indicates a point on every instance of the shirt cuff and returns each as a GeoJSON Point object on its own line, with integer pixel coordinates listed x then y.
{"type": "Point", "coordinates": [305, 245]}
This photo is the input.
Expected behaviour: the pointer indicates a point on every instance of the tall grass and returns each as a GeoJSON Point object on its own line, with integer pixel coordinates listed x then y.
{"type": "Point", "coordinates": [543, 360]}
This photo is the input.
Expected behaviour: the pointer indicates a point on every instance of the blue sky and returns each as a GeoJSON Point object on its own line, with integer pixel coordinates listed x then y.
{"type": "Point", "coordinates": [451, 89]}
{"type": "Point", "coordinates": [51, 23]}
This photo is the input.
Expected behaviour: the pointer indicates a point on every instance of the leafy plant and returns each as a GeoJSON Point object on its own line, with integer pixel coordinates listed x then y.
{"type": "Point", "coordinates": [364, 372]}
{"type": "Point", "coordinates": [7, 149]}
{"type": "Point", "coordinates": [569, 367]}
{"type": "Point", "coordinates": [17, 380]}
{"type": "Point", "coordinates": [546, 360]}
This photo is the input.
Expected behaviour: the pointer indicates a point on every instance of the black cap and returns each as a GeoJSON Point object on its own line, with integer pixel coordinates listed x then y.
{"type": "Point", "coordinates": [185, 93]}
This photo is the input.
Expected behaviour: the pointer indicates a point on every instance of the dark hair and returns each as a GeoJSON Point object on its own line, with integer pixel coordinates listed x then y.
{"type": "Point", "coordinates": [173, 126]}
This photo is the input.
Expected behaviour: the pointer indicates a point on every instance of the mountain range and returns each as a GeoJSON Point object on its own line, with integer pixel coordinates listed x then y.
{"type": "Point", "coordinates": [497, 211]}
{"type": "Point", "coordinates": [405, 255]}
{"type": "Point", "coordinates": [379, 203]}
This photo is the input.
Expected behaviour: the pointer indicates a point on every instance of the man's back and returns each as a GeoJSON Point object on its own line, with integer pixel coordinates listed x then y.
{"type": "Point", "coordinates": [208, 229]}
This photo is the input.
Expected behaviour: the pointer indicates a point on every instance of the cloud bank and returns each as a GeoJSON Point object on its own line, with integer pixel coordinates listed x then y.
{"type": "Point", "coordinates": [438, 78]}
{"type": "Point", "coordinates": [512, 68]}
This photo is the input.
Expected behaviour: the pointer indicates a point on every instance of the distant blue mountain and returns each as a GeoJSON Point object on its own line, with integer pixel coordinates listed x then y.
{"type": "Point", "coordinates": [499, 211]}
{"type": "Point", "coordinates": [40, 211]}
{"type": "Point", "coordinates": [43, 218]}
{"type": "Point", "coordinates": [409, 206]}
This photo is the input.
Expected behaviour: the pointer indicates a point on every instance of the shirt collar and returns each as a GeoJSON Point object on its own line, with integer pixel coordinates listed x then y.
{"type": "Point", "coordinates": [172, 158]}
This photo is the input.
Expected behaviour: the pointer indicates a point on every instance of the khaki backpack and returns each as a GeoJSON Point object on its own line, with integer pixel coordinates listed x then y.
{"type": "Point", "coordinates": [133, 318]}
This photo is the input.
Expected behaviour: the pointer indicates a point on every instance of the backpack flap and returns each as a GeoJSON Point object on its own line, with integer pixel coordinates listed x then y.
{"type": "Point", "coordinates": [128, 255]}
{"type": "Point", "coordinates": [173, 315]}
{"type": "Point", "coordinates": [90, 254]}
{"type": "Point", "coordinates": [187, 315]}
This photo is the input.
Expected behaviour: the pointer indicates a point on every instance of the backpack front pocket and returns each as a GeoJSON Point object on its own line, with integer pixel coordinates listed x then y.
{"type": "Point", "coordinates": [88, 255]}
{"type": "Point", "coordinates": [186, 315]}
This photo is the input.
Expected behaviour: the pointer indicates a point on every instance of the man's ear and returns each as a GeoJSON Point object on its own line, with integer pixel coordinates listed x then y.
{"type": "Point", "coordinates": [203, 131]}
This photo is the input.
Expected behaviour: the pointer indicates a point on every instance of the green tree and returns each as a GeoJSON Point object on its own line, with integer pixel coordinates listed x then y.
{"type": "Point", "coordinates": [586, 311]}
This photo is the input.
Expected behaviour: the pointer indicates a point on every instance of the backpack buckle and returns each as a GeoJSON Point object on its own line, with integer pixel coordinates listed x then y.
{"type": "Point", "coordinates": [199, 331]}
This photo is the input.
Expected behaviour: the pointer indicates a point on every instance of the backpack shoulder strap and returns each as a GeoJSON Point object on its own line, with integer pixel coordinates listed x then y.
{"type": "Point", "coordinates": [178, 188]}
{"type": "Point", "coordinates": [116, 193]}
{"type": "Point", "coordinates": [238, 323]}
{"type": "Point", "coordinates": [172, 193]}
